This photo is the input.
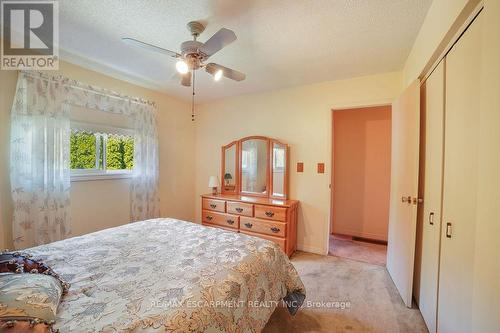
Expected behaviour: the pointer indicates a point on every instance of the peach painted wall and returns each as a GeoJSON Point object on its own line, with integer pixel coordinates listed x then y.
{"type": "Point", "coordinates": [362, 171]}
{"type": "Point", "coordinates": [301, 117]}
{"type": "Point", "coordinates": [91, 200]}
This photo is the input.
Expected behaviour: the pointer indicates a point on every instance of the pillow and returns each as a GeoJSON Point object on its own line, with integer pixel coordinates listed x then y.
{"type": "Point", "coordinates": [25, 327]}
{"type": "Point", "coordinates": [28, 301]}
{"type": "Point", "coordinates": [17, 262]}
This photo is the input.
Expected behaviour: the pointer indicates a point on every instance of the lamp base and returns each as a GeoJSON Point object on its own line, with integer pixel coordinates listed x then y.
{"type": "Point", "coordinates": [214, 190]}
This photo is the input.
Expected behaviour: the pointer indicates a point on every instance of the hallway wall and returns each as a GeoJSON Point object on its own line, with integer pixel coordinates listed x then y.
{"type": "Point", "coordinates": [362, 171]}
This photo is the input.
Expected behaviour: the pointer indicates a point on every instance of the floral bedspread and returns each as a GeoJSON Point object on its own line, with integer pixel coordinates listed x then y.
{"type": "Point", "coordinates": [167, 275]}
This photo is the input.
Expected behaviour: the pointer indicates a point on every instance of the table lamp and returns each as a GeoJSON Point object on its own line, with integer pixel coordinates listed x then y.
{"type": "Point", "coordinates": [213, 183]}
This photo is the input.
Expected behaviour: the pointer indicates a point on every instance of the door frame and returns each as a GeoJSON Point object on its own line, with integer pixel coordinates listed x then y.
{"type": "Point", "coordinates": [386, 102]}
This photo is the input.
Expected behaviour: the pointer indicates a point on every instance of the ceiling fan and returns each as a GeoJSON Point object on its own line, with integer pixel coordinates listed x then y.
{"type": "Point", "coordinates": [194, 54]}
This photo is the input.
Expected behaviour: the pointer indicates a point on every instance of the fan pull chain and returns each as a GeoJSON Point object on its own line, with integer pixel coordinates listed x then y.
{"type": "Point", "coordinates": [192, 98]}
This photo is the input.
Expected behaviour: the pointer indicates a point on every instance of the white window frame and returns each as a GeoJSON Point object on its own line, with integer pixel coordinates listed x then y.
{"type": "Point", "coordinates": [77, 175]}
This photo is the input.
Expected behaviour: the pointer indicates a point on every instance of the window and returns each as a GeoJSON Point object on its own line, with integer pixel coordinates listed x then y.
{"type": "Point", "coordinates": [98, 152]}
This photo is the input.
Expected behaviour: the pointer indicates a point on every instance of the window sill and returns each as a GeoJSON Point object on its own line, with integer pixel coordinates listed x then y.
{"type": "Point", "coordinates": [103, 176]}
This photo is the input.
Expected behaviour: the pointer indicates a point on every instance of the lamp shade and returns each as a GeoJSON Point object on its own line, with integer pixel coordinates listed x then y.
{"type": "Point", "coordinates": [213, 182]}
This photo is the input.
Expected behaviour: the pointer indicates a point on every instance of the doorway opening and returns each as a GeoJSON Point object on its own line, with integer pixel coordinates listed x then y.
{"type": "Point", "coordinates": [361, 160]}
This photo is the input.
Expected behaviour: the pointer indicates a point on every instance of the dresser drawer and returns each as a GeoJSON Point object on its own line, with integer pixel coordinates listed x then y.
{"type": "Point", "coordinates": [270, 228]}
{"type": "Point", "coordinates": [224, 220]}
{"type": "Point", "coordinates": [270, 213]}
{"type": "Point", "coordinates": [280, 241]}
{"type": "Point", "coordinates": [215, 205]}
{"type": "Point", "coordinates": [219, 227]}
{"type": "Point", "coordinates": [239, 208]}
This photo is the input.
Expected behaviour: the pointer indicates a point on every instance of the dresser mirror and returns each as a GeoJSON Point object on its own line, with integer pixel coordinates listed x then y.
{"type": "Point", "coordinates": [279, 155]}
{"type": "Point", "coordinates": [254, 162]}
{"type": "Point", "coordinates": [230, 168]}
{"type": "Point", "coordinates": [255, 166]}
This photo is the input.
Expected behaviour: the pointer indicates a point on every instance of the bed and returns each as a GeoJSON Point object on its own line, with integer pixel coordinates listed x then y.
{"type": "Point", "coordinates": [170, 275]}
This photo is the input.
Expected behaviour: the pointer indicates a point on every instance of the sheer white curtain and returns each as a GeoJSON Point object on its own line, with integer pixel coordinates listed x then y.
{"type": "Point", "coordinates": [145, 197]}
{"type": "Point", "coordinates": [40, 180]}
{"type": "Point", "coordinates": [40, 134]}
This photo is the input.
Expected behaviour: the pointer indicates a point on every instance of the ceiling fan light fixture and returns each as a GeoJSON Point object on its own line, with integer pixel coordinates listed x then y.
{"type": "Point", "coordinates": [215, 71]}
{"type": "Point", "coordinates": [182, 67]}
{"type": "Point", "coordinates": [193, 55]}
{"type": "Point", "coordinates": [218, 75]}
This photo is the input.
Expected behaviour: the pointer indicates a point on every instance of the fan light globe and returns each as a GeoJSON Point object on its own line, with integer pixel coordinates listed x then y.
{"type": "Point", "coordinates": [218, 75]}
{"type": "Point", "coordinates": [182, 67]}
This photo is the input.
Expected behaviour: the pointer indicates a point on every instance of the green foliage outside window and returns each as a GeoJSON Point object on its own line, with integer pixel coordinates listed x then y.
{"type": "Point", "coordinates": [83, 149]}
{"type": "Point", "coordinates": [119, 151]}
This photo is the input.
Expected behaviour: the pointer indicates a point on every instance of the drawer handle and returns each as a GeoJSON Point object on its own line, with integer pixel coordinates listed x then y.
{"type": "Point", "coordinates": [213, 205]}
{"type": "Point", "coordinates": [239, 210]}
{"type": "Point", "coordinates": [270, 214]}
{"type": "Point", "coordinates": [210, 218]}
{"type": "Point", "coordinates": [248, 225]}
{"type": "Point", "coordinates": [431, 218]}
{"type": "Point", "coordinates": [275, 230]}
{"type": "Point", "coordinates": [230, 222]}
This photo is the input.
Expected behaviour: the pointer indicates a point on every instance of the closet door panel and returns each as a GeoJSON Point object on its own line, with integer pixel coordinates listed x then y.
{"type": "Point", "coordinates": [433, 120]}
{"type": "Point", "coordinates": [460, 182]}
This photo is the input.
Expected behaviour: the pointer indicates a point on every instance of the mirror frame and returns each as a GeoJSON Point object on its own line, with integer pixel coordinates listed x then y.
{"type": "Point", "coordinates": [269, 163]}
{"type": "Point", "coordinates": [236, 168]}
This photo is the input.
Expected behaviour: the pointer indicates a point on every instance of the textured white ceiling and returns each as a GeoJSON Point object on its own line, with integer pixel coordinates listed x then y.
{"type": "Point", "coordinates": [280, 42]}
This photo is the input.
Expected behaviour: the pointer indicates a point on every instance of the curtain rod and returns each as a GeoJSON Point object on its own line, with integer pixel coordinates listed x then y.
{"type": "Point", "coordinates": [80, 85]}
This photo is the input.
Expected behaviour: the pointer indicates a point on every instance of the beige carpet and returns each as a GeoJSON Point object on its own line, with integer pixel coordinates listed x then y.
{"type": "Point", "coordinates": [374, 304]}
{"type": "Point", "coordinates": [345, 247]}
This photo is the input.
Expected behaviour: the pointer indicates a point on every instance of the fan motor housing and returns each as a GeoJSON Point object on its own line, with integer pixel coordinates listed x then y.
{"type": "Point", "coordinates": [190, 53]}
{"type": "Point", "coordinates": [190, 47]}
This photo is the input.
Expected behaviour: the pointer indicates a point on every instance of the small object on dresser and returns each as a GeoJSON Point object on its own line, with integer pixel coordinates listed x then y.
{"type": "Point", "coordinates": [227, 178]}
{"type": "Point", "coordinates": [213, 183]}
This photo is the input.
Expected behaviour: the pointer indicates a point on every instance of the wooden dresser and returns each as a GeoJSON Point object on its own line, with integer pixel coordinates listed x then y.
{"type": "Point", "coordinates": [267, 218]}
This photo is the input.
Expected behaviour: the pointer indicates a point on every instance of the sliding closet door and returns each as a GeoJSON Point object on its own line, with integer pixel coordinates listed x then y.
{"type": "Point", "coordinates": [460, 182]}
{"type": "Point", "coordinates": [430, 215]}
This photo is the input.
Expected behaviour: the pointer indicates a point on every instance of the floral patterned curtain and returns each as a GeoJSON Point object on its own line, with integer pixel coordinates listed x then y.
{"type": "Point", "coordinates": [39, 163]}
{"type": "Point", "coordinates": [40, 174]}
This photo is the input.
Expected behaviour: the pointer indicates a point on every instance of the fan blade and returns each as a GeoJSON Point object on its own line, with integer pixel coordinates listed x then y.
{"type": "Point", "coordinates": [222, 38]}
{"type": "Point", "coordinates": [232, 74]}
{"type": "Point", "coordinates": [138, 43]}
{"type": "Point", "coordinates": [186, 79]}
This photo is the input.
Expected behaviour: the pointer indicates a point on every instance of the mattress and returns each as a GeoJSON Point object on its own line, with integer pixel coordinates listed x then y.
{"type": "Point", "coordinates": [170, 275]}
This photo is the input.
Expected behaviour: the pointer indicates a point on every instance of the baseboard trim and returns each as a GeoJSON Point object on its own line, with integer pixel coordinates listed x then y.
{"type": "Point", "coordinates": [369, 240]}
{"type": "Point", "coordinates": [354, 233]}
{"type": "Point", "coordinates": [310, 249]}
